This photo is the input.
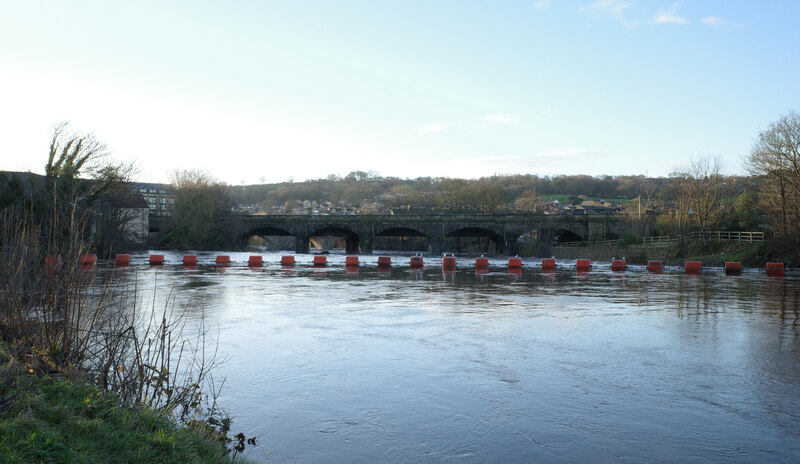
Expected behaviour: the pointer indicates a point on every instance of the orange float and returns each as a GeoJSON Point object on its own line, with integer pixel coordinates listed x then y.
{"type": "Point", "coordinates": [775, 269]}
{"type": "Point", "coordinates": [618, 265]}
{"type": "Point", "coordinates": [694, 267]}
{"type": "Point", "coordinates": [583, 265]}
{"type": "Point", "coordinates": [733, 267]}
{"type": "Point", "coordinates": [655, 266]}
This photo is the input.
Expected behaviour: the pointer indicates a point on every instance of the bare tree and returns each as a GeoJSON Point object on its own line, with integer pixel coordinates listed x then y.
{"type": "Point", "coordinates": [775, 159]}
{"type": "Point", "coordinates": [529, 202]}
{"type": "Point", "coordinates": [201, 203]}
{"type": "Point", "coordinates": [700, 187]}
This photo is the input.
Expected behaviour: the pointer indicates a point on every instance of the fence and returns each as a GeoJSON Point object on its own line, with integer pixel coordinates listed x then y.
{"type": "Point", "coordinates": [659, 240]}
{"type": "Point", "coordinates": [736, 236]}
{"type": "Point", "coordinates": [718, 235]}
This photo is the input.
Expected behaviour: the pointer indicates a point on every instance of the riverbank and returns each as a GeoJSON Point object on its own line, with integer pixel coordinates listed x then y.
{"type": "Point", "coordinates": [57, 417]}
{"type": "Point", "coordinates": [750, 254]}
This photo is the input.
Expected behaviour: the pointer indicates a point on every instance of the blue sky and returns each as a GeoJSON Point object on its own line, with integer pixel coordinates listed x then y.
{"type": "Point", "coordinates": [252, 90]}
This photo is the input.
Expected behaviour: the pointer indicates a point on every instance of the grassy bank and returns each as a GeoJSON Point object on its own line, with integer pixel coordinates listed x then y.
{"type": "Point", "coordinates": [54, 419]}
{"type": "Point", "coordinates": [750, 254]}
{"type": "Point", "coordinates": [47, 416]}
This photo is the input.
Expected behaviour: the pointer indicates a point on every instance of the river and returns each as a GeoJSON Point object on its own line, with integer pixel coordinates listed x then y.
{"type": "Point", "coordinates": [330, 365]}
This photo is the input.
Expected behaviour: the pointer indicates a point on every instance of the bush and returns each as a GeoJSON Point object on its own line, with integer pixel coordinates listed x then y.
{"type": "Point", "coordinates": [628, 240]}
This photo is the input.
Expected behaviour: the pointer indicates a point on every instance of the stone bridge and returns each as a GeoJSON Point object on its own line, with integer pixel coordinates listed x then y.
{"type": "Point", "coordinates": [359, 232]}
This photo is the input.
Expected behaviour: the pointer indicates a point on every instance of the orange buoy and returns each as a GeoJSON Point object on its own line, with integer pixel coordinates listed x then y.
{"type": "Point", "coordinates": [384, 261]}
{"type": "Point", "coordinates": [481, 263]}
{"type": "Point", "coordinates": [583, 265]}
{"type": "Point", "coordinates": [88, 259]}
{"type": "Point", "coordinates": [416, 261]}
{"type": "Point", "coordinates": [548, 264]}
{"type": "Point", "coordinates": [694, 267]}
{"type": "Point", "coordinates": [449, 262]}
{"type": "Point", "coordinates": [223, 259]}
{"type": "Point", "coordinates": [351, 261]}
{"type": "Point", "coordinates": [514, 263]}
{"type": "Point", "coordinates": [655, 266]}
{"type": "Point", "coordinates": [618, 265]}
{"type": "Point", "coordinates": [156, 260]}
{"type": "Point", "coordinates": [122, 260]}
{"type": "Point", "coordinates": [775, 269]}
{"type": "Point", "coordinates": [733, 267]}
{"type": "Point", "coordinates": [255, 261]}
{"type": "Point", "coordinates": [320, 261]}
{"type": "Point", "coordinates": [189, 260]}
{"type": "Point", "coordinates": [287, 260]}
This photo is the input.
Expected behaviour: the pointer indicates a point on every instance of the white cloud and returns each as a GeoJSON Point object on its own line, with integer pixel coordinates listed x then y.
{"type": "Point", "coordinates": [500, 118]}
{"type": "Point", "coordinates": [669, 18]}
{"type": "Point", "coordinates": [713, 21]}
{"type": "Point", "coordinates": [542, 4]}
{"type": "Point", "coordinates": [613, 8]}
{"type": "Point", "coordinates": [432, 127]}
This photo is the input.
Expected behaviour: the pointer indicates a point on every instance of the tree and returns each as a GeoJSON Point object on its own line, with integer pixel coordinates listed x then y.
{"type": "Point", "coordinates": [120, 214]}
{"type": "Point", "coordinates": [700, 188]}
{"type": "Point", "coordinates": [775, 159]}
{"type": "Point", "coordinates": [529, 202]}
{"type": "Point", "coordinates": [201, 204]}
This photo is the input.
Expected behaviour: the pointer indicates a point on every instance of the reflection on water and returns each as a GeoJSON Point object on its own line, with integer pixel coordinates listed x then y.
{"type": "Point", "coordinates": [402, 365]}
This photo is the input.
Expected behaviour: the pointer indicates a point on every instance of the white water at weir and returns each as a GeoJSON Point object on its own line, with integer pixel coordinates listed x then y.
{"type": "Point", "coordinates": [331, 365]}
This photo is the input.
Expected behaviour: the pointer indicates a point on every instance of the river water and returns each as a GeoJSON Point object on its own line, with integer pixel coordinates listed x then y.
{"type": "Point", "coordinates": [330, 365]}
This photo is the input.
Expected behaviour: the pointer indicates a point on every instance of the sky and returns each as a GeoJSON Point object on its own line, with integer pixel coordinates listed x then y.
{"type": "Point", "coordinates": [268, 91]}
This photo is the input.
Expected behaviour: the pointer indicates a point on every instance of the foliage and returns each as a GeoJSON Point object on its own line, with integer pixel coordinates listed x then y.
{"type": "Point", "coordinates": [698, 193]}
{"type": "Point", "coordinates": [201, 203]}
{"type": "Point", "coordinates": [529, 202]}
{"type": "Point", "coordinates": [55, 317]}
{"type": "Point", "coordinates": [775, 160]}
{"type": "Point", "coordinates": [81, 184]}
{"type": "Point", "coordinates": [628, 239]}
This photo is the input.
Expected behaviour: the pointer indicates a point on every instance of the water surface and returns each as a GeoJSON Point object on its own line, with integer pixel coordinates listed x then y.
{"type": "Point", "coordinates": [330, 365]}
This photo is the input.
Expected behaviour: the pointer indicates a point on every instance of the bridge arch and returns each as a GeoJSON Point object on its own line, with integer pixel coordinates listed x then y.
{"type": "Point", "coordinates": [351, 239]}
{"type": "Point", "coordinates": [557, 235]}
{"type": "Point", "coordinates": [474, 239]}
{"type": "Point", "coordinates": [268, 231]}
{"type": "Point", "coordinates": [269, 237]}
{"type": "Point", "coordinates": [400, 238]}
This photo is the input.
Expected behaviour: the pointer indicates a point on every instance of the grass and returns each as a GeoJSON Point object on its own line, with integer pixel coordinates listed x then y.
{"type": "Point", "coordinates": [52, 419]}
{"type": "Point", "coordinates": [750, 254]}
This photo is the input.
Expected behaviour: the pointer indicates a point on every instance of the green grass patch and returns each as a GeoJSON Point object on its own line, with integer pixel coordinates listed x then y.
{"type": "Point", "coordinates": [750, 254]}
{"type": "Point", "coordinates": [55, 420]}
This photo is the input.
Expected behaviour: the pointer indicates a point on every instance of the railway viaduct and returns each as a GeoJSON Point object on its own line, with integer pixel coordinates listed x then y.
{"type": "Point", "coordinates": [360, 231]}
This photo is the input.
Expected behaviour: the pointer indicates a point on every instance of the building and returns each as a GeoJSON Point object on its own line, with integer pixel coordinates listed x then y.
{"type": "Point", "coordinates": [160, 198]}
